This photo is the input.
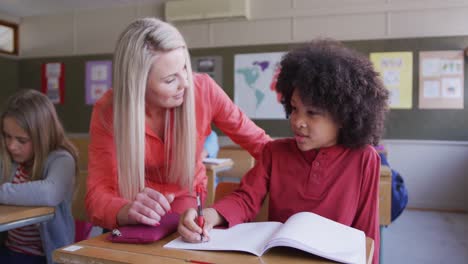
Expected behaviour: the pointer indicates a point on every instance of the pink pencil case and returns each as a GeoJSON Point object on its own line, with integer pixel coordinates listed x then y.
{"type": "Point", "coordinates": [142, 234]}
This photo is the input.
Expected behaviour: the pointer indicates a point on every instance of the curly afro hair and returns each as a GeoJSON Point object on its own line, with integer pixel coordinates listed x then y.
{"type": "Point", "coordinates": [341, 81]}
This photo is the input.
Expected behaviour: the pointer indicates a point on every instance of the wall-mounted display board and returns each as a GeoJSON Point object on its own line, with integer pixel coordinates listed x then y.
{"type": "Point", "coordinates": [8, 77]}
{"type": "Point", "coordinates": [98, 80]}
{"type": "Point", "coordinates": [211, 65]}
{"type": "Point", "coordinates": [254, 85]}
{"type": "Point", "coordinates": [441, 78]}
{"type": "Point", "coordinates": [74, 113]}
{"type": "Point", "coordinates": [396, 70]}
{"type": "Point", "coordinates": [414, 123]}
{"type": "Point", "coordinates": [53, 81]}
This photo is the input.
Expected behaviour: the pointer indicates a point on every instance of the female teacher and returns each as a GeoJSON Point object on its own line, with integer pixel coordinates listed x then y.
{"type": "Point", "coordinates": [147, 134]}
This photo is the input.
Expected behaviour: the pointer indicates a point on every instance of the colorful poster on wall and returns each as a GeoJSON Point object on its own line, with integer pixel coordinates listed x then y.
{"type": "Point", "coordinates": [98, 79]}
{"type": "Point", "coordinates": [396, 70]}
{"type": "Point", "coordinates": [254, 85]}
{"type": "Point", "coordinates": [441, 79]}
{"type": "Point", "coordinates": [53, 81]}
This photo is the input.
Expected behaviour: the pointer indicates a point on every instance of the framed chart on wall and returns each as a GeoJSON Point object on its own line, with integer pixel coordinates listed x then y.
{"type": "Point", "coordinates": [396, 70]}
{"type": "Point", "coordinates": [53, 81]}
{"type": "Point", "coordinates": [255, 77]}
{"type": "Point", "coordinates": [211, 65]}
{"type": "Point", "coordinates": [441, 79]}
{"type": "Point", "coordinates": [98, 79]}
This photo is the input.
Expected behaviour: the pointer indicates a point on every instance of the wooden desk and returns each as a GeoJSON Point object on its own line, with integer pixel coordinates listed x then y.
{"type": "Point", "coordinates": [18, 216]}
{"type": "Point", "coordinates": [99, 250]}
{"type": "Point", "coordinates": [385, 196]}
{"type": "Point", "coordinates": [81, 142]}
{"type": "Point", "coordinates": [211, 170]}
{"type": "Point", "coordinates": [385, 202]}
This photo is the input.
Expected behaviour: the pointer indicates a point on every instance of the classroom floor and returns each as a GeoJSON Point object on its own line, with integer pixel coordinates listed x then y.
{"type": "Point", "coordinates": [426, 237]}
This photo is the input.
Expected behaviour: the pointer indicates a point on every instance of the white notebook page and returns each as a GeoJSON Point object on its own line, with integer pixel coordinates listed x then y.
{"type": "Point", "coordinates": [249, 237]}
{"type": "Point", "coordinates": [323, 237]}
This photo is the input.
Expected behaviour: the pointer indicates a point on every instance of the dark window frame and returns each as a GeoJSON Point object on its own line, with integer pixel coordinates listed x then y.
{"type": "Point", "coordinates": [14, 27]}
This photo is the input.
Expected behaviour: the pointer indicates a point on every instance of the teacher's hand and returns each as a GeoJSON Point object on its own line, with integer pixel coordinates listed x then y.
{"type": "Point", "coordinates": [147, 208]}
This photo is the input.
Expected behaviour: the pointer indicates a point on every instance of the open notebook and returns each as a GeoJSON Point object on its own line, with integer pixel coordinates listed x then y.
{"type": "Point", "coordinates": [305, 231]}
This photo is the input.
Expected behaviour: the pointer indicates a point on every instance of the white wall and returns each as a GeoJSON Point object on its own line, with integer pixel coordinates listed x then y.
{"type": "Point", "coordinates": [435, 172]}
{"type": "Point", "coordinates": [79, 32]}
{"type": "Point", "coordinates": [10, 18]}
{"type": "Point", "coordinates": [273, 21]}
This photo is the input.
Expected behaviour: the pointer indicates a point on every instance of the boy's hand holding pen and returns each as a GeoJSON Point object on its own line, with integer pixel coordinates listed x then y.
{"type": "Point", "coordinates": [196, 223]}
{"type": "Point", "coordinates": [200, 218]}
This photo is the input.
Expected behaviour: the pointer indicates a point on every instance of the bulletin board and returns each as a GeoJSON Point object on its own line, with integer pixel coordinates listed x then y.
{"type": "Point", "coordinates": [413, 123]}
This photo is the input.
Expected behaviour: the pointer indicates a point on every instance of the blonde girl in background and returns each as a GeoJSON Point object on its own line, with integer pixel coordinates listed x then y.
{"type": "Point", "coordinates": [38, 168]}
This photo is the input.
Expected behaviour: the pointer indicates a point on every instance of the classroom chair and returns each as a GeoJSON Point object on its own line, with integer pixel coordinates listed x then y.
{"type": "Point", "coordinates": [82, 226]}
{"type": "Point", "coordinates": [81, 143]}
{"type": "Point", "coordinates": [225, 188]}
{"type": "Point", "coordinates": [242, 159]}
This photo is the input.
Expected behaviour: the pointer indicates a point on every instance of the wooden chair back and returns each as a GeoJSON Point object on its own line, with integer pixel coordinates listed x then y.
{"type": "Point", "coordinates": [81, 142]}
{"type": "Point", "coordinates": [242, 159]}
{"type": "Point", "coordinates": [78, 204]}
{"type": "Point", "coordinates": [225, 188]}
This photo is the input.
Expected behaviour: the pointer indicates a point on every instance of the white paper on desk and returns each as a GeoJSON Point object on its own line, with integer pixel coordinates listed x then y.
{"type": "Point", "coordinates": [215, 161]}
{"type": "Point", "coordinates": [234, 238]}
{"type": "Point", "coordinates": [305, 231]}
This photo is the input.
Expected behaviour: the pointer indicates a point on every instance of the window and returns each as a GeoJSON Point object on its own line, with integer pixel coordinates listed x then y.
{"type": "Point", "coordinates": [8, 38]}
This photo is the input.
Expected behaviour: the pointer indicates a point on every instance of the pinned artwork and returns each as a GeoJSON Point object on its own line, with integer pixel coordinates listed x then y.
{"type": "Point", "coordinates": [53, 81]}
{"type": "Point", "coordinates": [441, 75]}
{"type": "Point", "coordinates": [396, 70]}
{"type": "Point", "coordinates": [98, 80]}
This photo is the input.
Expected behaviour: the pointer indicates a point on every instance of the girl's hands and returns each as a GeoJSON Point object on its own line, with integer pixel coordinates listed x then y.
{"type": "Point", "coordinates": [147, 208]}
{"type": "Point", "coordinates": [191, 232]}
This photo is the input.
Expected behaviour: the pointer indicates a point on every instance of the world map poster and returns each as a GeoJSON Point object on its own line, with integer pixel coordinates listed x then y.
{"type": "Point", "coordinates": [255, 77]}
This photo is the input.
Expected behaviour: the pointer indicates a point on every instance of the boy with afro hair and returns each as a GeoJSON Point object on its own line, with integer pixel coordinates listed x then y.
{"type": "Point", "coordinates": [336, 105]}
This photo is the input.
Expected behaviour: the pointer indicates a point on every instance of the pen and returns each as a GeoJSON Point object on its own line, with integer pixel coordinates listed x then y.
{"type": "Point", "coordinates": [198, 261]}
{"type": "Point", "coordinates": [200, 218]}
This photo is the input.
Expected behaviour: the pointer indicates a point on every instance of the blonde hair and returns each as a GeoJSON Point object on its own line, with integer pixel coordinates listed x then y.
{"type": "Point", "coordinates": [36, 115]}
{"type": "Point", "coordinates": [136, 50]}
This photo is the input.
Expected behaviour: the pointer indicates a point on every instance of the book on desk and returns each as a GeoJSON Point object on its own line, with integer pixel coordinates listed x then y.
{"type": "Point", "coordinates": [306, 231]}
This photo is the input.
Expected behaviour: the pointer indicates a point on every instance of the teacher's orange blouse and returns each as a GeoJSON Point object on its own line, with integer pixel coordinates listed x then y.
{"type": "Point", "coordinates": [212, 105]}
